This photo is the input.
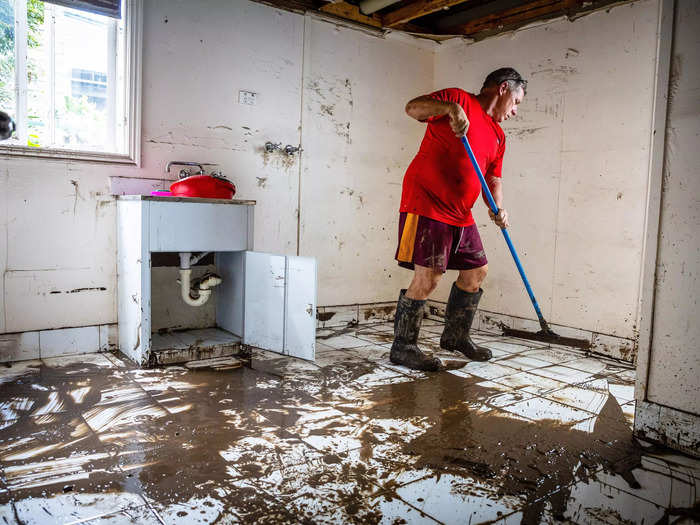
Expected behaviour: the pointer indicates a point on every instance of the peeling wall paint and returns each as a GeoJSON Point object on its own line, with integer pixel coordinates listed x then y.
{"type": "Point", "coordinates": [576, 165]}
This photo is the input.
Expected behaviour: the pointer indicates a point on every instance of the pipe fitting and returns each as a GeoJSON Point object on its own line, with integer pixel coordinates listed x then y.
{"type": "Point", "coordinates": [198, 294]}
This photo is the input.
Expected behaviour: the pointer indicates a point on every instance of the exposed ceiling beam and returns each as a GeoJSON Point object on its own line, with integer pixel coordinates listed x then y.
{"type": "Point", "coordinates": [531, 11]}
{"type": "Point", "coordinates": [416, 10]}
{"type": "Point", "coordinates": [350, 12]}
{"type": "Point", "coordinates": [412, 28]}
{"type": "Point", "coordinates": [469, 13]}
{"type": "Point", "coordinates": [367, 7]}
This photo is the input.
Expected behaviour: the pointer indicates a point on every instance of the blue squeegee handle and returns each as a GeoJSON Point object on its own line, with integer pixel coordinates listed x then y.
{"type": "Point", "coordinates": [506, 235]}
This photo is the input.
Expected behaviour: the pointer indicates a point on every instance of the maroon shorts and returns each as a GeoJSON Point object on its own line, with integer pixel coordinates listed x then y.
{"type": "Point", "coordinates": [434, 244]}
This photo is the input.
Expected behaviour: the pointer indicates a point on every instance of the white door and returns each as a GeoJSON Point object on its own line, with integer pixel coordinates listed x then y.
{"type": "Point", "coordinates": [280, 304]}
{"type": "Point", "coordinates": [300, 308]}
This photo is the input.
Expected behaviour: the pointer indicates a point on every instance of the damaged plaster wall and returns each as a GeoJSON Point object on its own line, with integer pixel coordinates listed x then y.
{"type": "Point", "coordinates": [58, 237]}
{"type": "Point", "coordinates": [357, 143]}
{"type": "Point", "coordinates": [576, 165]}
{"type": "Point", "coordinates": [674, 360]}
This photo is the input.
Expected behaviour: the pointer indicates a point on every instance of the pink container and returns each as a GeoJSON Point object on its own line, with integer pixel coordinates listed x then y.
{"type": "Point", "coordinates": [162, 193]}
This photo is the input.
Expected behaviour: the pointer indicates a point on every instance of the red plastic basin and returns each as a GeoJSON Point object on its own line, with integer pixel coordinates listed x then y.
{"type": "Point", "coordinates": [203, 186]}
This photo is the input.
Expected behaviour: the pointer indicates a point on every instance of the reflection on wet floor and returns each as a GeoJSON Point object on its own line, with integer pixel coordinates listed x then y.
{"type": "Point", "coordinates": [537, 435]}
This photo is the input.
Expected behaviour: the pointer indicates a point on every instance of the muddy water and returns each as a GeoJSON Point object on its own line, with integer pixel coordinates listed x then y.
{"type": "Point", "coordinates": [285, 441]}
{"type": "Point", "coordinates": [520, 458]}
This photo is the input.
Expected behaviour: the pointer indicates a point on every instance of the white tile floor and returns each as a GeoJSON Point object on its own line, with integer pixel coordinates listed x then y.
{"type": "Point", "coordinates": [538, 434]}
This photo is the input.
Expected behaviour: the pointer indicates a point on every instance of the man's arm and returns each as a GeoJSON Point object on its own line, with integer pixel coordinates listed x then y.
{"type": "Point", "coordinates": [423, 107]}
{"type": "Point", "coordinates": [494, 184]}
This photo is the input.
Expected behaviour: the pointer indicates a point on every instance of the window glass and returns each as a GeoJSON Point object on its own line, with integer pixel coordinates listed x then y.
{"type": "Point", "coordinates": [7, 58]}
{"type": "Point", "coordinates": [72, 91]}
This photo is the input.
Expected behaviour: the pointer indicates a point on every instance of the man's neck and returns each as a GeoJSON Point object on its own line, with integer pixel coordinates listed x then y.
{"type": "Point", "coordinates": [487, 102]}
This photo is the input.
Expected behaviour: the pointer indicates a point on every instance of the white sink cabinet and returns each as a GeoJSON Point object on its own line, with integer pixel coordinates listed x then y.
{"type": "Point", "coordinates": [265, 300]}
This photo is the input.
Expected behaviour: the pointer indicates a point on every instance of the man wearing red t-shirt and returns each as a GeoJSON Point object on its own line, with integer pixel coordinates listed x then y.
{"type": "Point", "coordinates": [436, 228]}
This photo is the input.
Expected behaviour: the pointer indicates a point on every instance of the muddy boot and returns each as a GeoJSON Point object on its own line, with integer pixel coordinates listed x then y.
{"type": "Point", "coordinates": [460, 312]}
{"type": "Point", "coordinates": [405, 351]}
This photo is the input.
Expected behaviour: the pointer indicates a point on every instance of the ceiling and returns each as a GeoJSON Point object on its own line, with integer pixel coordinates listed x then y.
{"type": "Point", "coordinates": [440, 19]}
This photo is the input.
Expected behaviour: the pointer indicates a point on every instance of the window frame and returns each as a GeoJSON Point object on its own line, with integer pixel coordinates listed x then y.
{"type": "Point", "coordinates": [133, 27]}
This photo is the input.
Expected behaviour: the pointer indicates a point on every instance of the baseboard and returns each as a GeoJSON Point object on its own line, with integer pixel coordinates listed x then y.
{"type": "Point", "coordinates": [354, 314]}
{"type": "Point", "coordinates": [668, 426]}
{"type": "Point", "coordinates": [39, 344]}
{"type": "Point", "coordinates": [357, 314]}
{"type": "Point", "coordinates": [602, 344]}
{"type": "Point", "coordinates": [101, 338]}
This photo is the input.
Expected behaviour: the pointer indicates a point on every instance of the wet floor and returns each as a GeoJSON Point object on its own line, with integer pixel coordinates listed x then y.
{"type": "Point", "coordinates": [538, 435]}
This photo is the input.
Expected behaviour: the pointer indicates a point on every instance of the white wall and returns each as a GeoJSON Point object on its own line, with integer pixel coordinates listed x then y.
{"type": "Point", "coordinates": [576, 165]}
{"type": "Point", "coordinates": [57, 218]}
{"type": "Point", "coordinates": [357, 143]}
{"type": "Point", "coordinates": [674, 360]}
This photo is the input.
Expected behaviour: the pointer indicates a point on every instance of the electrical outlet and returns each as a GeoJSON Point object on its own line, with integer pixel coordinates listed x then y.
{"type": "Point", "coordinates": [247, 97]}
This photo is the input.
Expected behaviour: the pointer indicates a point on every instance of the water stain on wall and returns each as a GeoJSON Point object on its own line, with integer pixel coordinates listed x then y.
{"type": "Point", "coordinates": [278, 159]}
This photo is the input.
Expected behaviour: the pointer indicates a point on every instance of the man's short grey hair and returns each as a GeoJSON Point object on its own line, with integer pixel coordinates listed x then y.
{"type": "Point", "coordinates": [505, 74]}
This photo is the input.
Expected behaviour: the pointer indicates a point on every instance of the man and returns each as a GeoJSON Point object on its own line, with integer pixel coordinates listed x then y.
{"type": "Point", "coordinates": [436, 228]}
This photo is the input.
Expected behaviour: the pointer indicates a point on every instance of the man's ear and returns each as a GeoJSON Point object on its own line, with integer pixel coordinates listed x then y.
{"type": "Point", "coordinates": [503, 88]}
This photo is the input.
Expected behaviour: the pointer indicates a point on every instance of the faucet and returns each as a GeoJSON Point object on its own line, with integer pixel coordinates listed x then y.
{"type": "Point", "coordinates": [291, 150]}
{"type": "Point", "coordinates": [287, 150]}
{"type": "Point", "coordinates": [271, 146]}
{"type": "Point", "coordinates": [183, 163]}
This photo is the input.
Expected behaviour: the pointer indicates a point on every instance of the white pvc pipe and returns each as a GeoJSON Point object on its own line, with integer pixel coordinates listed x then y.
{"type": "Point", "coordinates": [204, 287]}
{"type": "Point", "coordinates": [185, 276]}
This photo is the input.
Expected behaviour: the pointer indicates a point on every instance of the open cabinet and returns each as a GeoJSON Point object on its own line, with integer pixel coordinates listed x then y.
{"type": "Point", "coordinates": [264, 300]}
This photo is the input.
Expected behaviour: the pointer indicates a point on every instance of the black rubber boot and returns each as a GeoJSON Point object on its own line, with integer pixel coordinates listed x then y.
{"type": "Point", "coordinates": [405, 351]}
{"type": "Point", "coordinates": [460, 312]}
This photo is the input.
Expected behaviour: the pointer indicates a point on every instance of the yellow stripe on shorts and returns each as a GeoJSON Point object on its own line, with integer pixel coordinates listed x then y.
{"type": "Point", "coordinates": [408, 238]}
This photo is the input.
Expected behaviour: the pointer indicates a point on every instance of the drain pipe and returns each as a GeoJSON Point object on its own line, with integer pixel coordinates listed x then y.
{"type": "Point", "coordinates": [200, 294]}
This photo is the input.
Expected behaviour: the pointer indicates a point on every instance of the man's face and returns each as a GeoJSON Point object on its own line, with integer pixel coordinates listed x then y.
{"type": "Point", "coordinates": [507, 103]}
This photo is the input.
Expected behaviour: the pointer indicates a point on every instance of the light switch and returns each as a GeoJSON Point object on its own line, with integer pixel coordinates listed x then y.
{"type": "Point", "coordinates": [247, 97]}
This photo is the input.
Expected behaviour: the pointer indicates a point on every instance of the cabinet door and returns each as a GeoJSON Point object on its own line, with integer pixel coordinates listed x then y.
{"type": "Point", "coordinates": [280, 304]}
{"type": "Point", "coordinates": [300, 308]}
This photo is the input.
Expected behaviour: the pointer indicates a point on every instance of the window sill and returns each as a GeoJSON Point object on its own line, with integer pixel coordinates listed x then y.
{"type": "Point", "coordinates": [7, 151]}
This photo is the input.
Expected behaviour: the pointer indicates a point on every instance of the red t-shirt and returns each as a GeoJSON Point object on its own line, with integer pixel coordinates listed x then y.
{"type": "Point", "coordinates": [440, 183]}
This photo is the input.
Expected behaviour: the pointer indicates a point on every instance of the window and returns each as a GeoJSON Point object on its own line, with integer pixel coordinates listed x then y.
{"type": "Point", "coordinates": [70, 80]}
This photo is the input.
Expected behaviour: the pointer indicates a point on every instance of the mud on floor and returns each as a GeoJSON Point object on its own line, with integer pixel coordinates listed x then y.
{"type": "Point", "coordinates": [536, 435]}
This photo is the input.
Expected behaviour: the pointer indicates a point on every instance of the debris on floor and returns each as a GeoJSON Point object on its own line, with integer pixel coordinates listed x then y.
{"type": "Point", "coordinates": [538, 434]}
{"type": "Point", "coordinates": [216, 363]}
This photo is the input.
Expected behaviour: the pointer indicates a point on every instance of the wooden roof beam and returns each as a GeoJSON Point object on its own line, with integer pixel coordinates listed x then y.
{"type": "Point", "coordinates": [351, 12]}
{"type": "Point", "coordinates": [520, 15]}
{"type": "Point", "coordinates": [415, 10]}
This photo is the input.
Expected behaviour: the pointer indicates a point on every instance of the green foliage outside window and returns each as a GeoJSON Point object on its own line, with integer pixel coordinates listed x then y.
{"type": "Point", "coordinates": [35, 20]}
